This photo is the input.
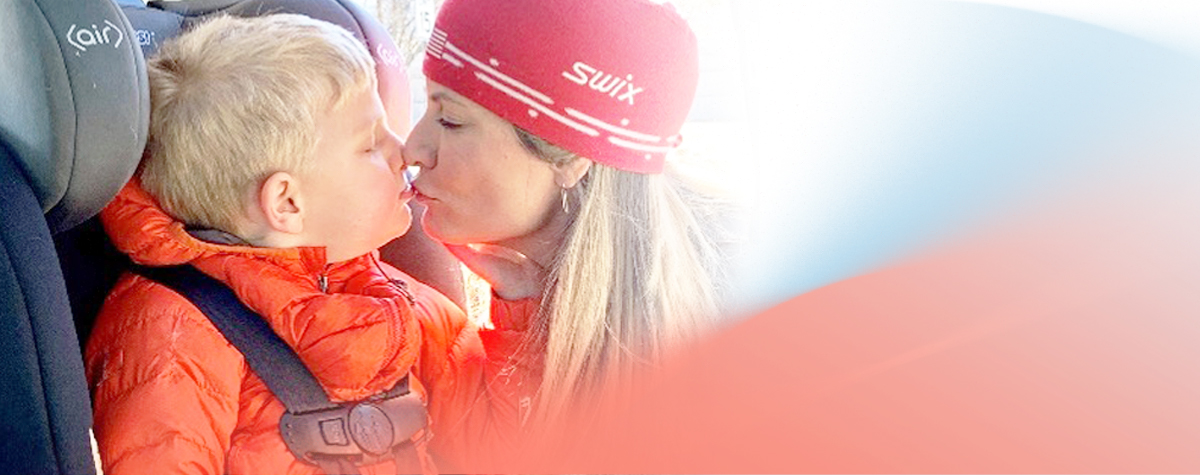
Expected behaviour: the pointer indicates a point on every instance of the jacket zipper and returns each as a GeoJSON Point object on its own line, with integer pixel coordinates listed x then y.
{"type": "Point", "coordinates": [400, 285]}
{"type": "Point", "coordinates": [403, 287]}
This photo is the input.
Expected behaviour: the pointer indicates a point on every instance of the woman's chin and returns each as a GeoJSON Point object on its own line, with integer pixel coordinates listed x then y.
{"type": "Point", "coordinates": [434, 229]}
{"type": "Point", "coordinates": [450, 234]}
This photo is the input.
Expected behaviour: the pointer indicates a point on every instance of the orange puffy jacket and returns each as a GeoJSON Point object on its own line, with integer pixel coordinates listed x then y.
{"type": "Point", "coordinates": [171, 395]}
{"type": "Point", "coordinates": [479, 413]}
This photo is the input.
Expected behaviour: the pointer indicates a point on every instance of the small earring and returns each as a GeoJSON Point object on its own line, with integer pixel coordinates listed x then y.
{"type": "Point", "coordinates": [566, 206]}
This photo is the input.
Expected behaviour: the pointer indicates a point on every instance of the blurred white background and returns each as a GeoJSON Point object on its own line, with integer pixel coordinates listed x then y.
{"type": "Point", "coordinates": [858, 132]}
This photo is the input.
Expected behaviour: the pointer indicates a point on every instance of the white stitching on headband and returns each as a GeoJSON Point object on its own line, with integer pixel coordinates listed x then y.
{"type": "Point", "coordinates": [637, 146]}
{"type": "Point", "coordinates": [612, 128]}
{"type": "Point", "coordinates": [451, 59]}
{"type": "Point", "coordinates": [436, 44]}
{"type": "Point", "coordinates": [528, 90]}
{"type": "Point", "coordinates": [434, 49]}
{"type": "Point", "coordinates": [516, 95]}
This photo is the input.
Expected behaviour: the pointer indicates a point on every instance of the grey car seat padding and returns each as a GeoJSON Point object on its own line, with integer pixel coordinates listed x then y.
{"type": "Point", "coordinates": [73, 117]}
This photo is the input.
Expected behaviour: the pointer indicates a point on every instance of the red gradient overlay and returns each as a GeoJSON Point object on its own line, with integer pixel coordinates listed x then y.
{"type": "Point", "coordinates": [1066, 341]}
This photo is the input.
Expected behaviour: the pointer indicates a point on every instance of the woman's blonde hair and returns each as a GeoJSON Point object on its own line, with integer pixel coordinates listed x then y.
{"type": "Point", "coordinates": [236, 99]}
{"type": "Point", "coordinates": [638, 273]}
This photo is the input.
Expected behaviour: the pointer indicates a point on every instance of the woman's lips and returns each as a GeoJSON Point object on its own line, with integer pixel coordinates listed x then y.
{"type": "Point", "coordinates": [421, 197]}
{"type": "Point", "coordinates": [410, 190]}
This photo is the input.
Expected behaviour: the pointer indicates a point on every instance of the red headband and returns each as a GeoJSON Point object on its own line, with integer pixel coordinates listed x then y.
{"type": "Point", "coordinates": [611, 80]}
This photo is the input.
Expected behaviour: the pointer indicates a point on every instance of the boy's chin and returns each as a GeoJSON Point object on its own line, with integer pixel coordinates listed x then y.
{"type": "Point", "coordinates": [339, 254]}
{"type": "Point", "coordinates": [400, 220]}
{"type": "Point", "coordinates": [404, 224]}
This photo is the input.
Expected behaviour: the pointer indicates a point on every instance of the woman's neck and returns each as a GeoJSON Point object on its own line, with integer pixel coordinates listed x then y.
{"type": "Point", "coordinates": [542, 245]}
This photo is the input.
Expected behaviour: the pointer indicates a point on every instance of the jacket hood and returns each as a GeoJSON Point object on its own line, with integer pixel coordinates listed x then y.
{"type": "Point", "coordinates": [142, 230]}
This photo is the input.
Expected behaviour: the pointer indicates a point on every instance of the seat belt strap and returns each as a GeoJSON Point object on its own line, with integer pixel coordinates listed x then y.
{"type": "Point", "coordinates": [338, 438]}
{"type": "Point", "coordinates": [268, 355]}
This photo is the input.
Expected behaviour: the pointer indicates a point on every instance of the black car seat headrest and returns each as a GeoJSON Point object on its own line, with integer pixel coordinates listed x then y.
{"type": "Point", "coordinates": [74, 101]}
{"type": "Point", "coordinates": [73, 122]}
{"type": "Point", "coordinates": [150, 26]}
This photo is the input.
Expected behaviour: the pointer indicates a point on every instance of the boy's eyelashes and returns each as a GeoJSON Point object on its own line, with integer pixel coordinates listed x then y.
{"type": "Point", "coordinates": [448, 124]}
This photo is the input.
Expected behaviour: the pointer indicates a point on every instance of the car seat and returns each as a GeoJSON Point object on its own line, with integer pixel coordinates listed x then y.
{"type": "Point", "coordinates": [73, 120]}
{"type": "Point", "coordinates": [75, 114]}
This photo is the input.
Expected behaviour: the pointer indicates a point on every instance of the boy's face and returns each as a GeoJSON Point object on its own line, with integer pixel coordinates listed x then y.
{"type": "Point", "coordinates": [355, 191]}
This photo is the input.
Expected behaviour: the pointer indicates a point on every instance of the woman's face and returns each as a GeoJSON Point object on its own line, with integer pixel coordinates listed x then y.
{"type": "Point", "coordinates": [477, 182]}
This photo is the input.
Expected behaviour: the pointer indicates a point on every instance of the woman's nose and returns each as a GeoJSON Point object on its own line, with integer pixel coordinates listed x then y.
{"type": "Point", "coordinates": [420, 149]}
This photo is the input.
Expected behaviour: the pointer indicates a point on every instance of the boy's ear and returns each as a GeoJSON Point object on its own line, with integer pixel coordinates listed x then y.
{"type": "Point", "coordinates": [566, 175]}
{"type": "Point", "coordinates": [280, 202]}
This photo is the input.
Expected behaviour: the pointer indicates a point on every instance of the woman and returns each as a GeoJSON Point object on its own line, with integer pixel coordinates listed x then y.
{"type": "Point", "coordinates": [542, 157]}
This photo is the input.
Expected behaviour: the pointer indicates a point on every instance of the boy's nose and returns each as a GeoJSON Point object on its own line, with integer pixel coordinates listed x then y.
{"type": "Point", "coordinates": [396, 154]}
{"type": "Point", "coordinates": [397, 162]}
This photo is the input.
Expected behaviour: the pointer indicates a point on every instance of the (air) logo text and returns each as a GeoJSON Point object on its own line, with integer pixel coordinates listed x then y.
{"type": "Point", "coordinates": [84, 38]}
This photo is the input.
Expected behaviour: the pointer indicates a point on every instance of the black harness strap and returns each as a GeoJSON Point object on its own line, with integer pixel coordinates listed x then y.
{"type": "Point", "coordinates": [336, 437]}
{"type": "Point", "coordinates": [268, 355]}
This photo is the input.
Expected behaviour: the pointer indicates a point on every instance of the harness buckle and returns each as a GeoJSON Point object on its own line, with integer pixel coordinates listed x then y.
{"type": "Point", "coordinates": [356, 433]}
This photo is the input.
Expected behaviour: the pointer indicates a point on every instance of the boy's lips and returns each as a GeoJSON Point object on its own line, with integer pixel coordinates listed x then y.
{"type": "Point", "coordinates": [410, 190]}
{"type": "Point", "coordinates": [421, 197]}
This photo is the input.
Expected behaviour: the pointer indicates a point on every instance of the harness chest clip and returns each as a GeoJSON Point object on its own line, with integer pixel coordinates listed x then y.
{"type": "Point", "coordinates": [357, 433]}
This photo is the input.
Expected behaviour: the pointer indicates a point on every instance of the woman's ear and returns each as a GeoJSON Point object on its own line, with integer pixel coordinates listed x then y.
{"type": "Point", "coordinates": [280, 202]}
{"type": "Point", "coordinates": [566, 175]}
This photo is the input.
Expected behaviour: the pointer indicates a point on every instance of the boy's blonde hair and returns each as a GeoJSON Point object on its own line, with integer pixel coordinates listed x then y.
{"type": "Point", "coordinates": [234, 100]}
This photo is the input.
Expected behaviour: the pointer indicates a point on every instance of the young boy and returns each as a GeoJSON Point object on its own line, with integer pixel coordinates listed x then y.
{"type": "Point", "coordinates": [271, 169]}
